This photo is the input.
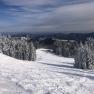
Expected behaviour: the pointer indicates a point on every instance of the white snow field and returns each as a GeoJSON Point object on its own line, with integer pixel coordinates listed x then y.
{"type": "Point", "coordinates": [8, 87]}
{"type": "Point", "coordinates": [49, 74]}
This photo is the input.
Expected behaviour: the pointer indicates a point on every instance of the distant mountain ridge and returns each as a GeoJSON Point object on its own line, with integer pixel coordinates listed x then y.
{"type": "Point", "coordinates": [68, 36]}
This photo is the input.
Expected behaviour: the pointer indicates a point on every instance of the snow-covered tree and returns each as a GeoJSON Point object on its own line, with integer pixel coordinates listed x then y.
{"type": "Point", "coordinates": [84, 58]}
{"type": "Point", "coordinates": [20, 48]}
{"type": "Point", "coordinates": [65, 48]}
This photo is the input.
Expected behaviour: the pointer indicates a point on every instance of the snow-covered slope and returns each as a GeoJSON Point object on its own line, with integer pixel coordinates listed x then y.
{"type": "Point", "coordinates": [49, 74]}
{"type": "Point", "coordinates": [8, 87]}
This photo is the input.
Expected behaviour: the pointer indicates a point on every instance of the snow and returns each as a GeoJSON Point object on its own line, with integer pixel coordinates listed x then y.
{"type": "Point", "coordinates": [8, 87]}
{"type": "Point", "coordinates": [49, 74]}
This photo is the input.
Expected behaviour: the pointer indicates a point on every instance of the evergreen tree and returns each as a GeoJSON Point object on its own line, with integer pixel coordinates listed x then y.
{"type": "Point", "coordinates": [18, 48]}
{"type": "Point", "coordinates": [84, 58]}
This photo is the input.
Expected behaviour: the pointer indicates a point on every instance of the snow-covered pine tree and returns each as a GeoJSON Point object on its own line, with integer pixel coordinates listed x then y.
{"type": "Point", "coordinates": [18, 48]}
{"type": "Point", "coordinates": [90, 43]}
{"type": "Point", "coordinates": [84, 58]}
{"type": "Point", "coordinates": [31, 51]}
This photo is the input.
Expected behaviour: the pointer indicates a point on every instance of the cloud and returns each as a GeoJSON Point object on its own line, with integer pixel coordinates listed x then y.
{"type": "Point", "coordinates": [71, 18]}
{"type": "Point", "coordinates": [47, 15]}
{"type": "Point", "coordinates": [30, 2]}
{"type": "Point", "coordinates": [78, 17]}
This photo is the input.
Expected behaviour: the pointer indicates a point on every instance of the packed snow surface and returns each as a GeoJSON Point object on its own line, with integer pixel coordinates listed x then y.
{"type": "Point", "coordinates": [49, 74]}
{"type": "Point", "coordinates": [8, 87]}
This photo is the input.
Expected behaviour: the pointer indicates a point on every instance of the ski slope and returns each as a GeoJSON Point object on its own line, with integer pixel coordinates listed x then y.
{"type": "Point", "coordinates": [49, 74]}
{"type": "Point", "coordinates": [8, 87]}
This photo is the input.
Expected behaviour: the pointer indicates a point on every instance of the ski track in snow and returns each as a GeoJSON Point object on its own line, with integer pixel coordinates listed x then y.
{"type": "Point", "coordinates": [49, 74]}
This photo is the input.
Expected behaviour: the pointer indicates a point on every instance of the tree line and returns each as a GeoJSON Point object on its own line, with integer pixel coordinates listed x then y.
{"type": "Point", "coordinates": [82, 52]}
{"type": "Point", "coordinates": [66, 48]}
{"type": "Point", "coordinates": [19, 48]}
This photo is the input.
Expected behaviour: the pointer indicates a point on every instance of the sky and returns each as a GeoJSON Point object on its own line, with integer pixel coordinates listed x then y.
{"type": "Point", "coordinates": [65, 16]}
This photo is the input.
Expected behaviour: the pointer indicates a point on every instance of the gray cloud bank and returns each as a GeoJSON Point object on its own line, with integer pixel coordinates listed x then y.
{"type": "Point", "coordinates": [51, 16]}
